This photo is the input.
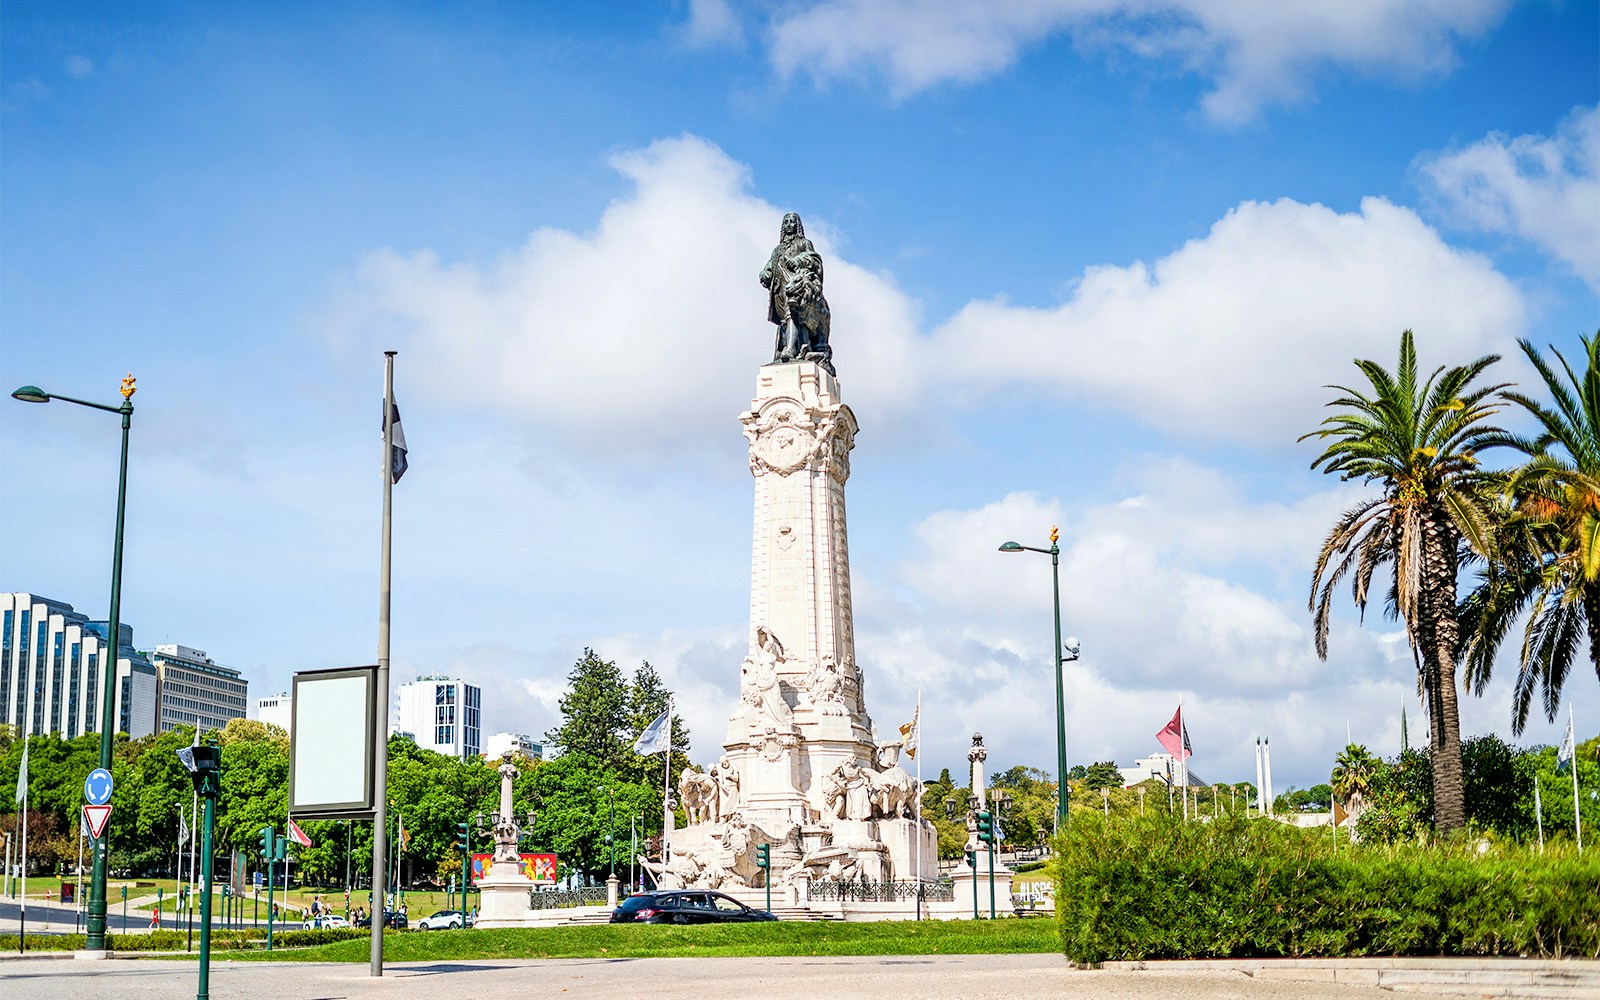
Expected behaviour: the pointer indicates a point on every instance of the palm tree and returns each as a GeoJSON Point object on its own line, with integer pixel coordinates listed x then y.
{"type": "Point", "coordinates": [1353, 772]}
{"type": "Point", "coordinates": [1550, 552]}
{"type": "Point", "coordinates": [1416, 439]}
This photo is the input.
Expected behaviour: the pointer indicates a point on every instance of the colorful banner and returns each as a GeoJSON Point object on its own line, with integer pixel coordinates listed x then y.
{"type": "Point", "coordinates": [539, 868]}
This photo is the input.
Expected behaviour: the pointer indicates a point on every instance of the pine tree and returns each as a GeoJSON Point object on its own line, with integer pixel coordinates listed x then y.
{"type": "Point", "coordinates": [595, 712]}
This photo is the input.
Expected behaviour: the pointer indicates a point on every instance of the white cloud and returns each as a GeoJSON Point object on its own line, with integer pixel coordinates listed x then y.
{"type": "Point", "coordinates": [78, 67]}
{"type": "Point", "coordinates": [631, 339]}
{"type": "Point", "coordinates": [1230, 336]}
{"type": "Point", "coordinates": [712, 22]}
{"type": "Point", "coordinates": [1255, 52]}
{"type": "Point", "coordinates": [1545, 190]}
{"type": "Point", "coordinates": [635, 336]}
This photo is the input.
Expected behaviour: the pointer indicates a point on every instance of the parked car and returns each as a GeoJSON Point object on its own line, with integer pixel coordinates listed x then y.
{"type": "Point", "coordinates": [391, 919]}
{"type": "Point", "coordinates": [325, 920]}
{"type": "Point", "coordinates": [685, 906]}
{"type": "Point", "coordinates": [443, 920]}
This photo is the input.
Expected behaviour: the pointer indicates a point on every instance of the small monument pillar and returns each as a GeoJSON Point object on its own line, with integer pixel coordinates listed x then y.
{"type": "Point", "coordinates": [504, 888]}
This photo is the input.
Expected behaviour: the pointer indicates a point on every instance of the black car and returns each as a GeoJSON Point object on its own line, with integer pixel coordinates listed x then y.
{"type": "Point", "coordinates": [391, 919]}
{"type": "Point", "coordinates": [685, 906]}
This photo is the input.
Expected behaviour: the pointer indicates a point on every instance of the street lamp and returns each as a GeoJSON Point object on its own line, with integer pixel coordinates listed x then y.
{"type": "Point", "coordinates": [204, 764]}
{"type": "Point", "coordinates": [95, 925]}
{"type": "Point", "coordinates": [611, 853]}
{"type": "Point", "coordinates": [1064, 655]}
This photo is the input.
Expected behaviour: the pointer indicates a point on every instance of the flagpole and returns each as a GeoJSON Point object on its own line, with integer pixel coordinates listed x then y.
{"type": "Point", "coordinates": [666, 791]}
{"type": "Point", "coordinates": [1538, 812]}
{"type": "Point", "coordinates": [1572, 742]}
{"type": "Point", "coordinates": [916, 845]}
{"type": "Point", "coordinates": [22, 939]}
{"type": "Point", "coordinates": [380, 758]}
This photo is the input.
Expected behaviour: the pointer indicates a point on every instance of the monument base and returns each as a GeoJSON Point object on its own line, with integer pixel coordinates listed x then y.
{"type": "Point", "coordinates": [504, 897]}
{"type": "Point", "coordinates": [913, 852]}
{"type": "Point", "coordinates": [972, 889]}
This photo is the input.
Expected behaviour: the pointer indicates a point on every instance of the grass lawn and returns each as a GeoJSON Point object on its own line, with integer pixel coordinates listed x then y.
{"type": "Point", "coordinates": [792, 938]}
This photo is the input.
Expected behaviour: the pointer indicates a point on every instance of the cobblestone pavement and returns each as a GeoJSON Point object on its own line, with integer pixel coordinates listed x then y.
{"type": "Point", "coordinates": [958, 976]}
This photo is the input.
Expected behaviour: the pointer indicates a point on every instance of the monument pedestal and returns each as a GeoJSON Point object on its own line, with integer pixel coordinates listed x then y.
{"type": "Point", "coordinates": [504, 890]}
{"type": "Point", "coordinates": [973, 887]}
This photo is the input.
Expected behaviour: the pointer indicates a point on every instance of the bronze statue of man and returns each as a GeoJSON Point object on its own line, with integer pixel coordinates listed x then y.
{"type": "Point", "coordinates": [793, 279]}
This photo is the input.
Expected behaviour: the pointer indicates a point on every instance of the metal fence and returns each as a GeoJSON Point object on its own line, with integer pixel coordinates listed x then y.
{"type": "Point", "coordinates": [886, 891]}
{"type": "Point", "coordinates": [544, 899]}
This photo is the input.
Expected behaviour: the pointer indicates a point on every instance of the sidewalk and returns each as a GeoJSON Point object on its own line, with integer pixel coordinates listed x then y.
{"type": "Point", "coordinates": [1507, 978]}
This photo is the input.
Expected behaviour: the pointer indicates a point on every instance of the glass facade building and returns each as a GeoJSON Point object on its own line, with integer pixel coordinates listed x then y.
{"type": "Point", "coordinates": [442, 715]}
{"type": "Point", "coordinates": [50, 671]}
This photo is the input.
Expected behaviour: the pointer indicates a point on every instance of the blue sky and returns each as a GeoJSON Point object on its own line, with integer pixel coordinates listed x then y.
{"type": "Point", "coordinates": [1090, 261]}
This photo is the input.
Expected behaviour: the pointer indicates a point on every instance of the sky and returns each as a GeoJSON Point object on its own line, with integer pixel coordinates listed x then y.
{"type": "Point", "coordinates": [1092, 263]}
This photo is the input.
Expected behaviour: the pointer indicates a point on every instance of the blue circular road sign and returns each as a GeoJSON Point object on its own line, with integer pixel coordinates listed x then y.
{"type": "Point", "coordinates": [97, 787]}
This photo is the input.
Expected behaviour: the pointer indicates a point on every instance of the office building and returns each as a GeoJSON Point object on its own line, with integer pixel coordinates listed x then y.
{"type": "Point", "coordinates": [51, 671]}
{"type": "Point", "coordinates": [1163, 767]}
{"type": "Point", "coordinates": [442, 714]}
{"type": "Point", "coordinates": [194, 690]}
{"type": "Point", "coordinates": [500, 744]}
{"type": "Point", "coordinates": [275, 710]}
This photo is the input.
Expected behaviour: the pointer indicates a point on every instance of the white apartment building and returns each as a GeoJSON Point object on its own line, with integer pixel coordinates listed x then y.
{"type": "Point", "coordinates": [1161, 766]}
{"type": "Point", "coordinates": [51, 671]}
{"type": "Point", "coordinates": [500, 744]}
{"type": "Point", "coordinates": [194, 690]}
{"type": "Point", "coordinates": [276, 710]}
{"type": "Point", "coordinates": [442, 714]}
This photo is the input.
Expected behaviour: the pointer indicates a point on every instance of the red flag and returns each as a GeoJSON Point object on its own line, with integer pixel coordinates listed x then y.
{"type": "Point", "coordinates": [298, 835]}
{"type": "Point", "coordinates": [1175, 736]}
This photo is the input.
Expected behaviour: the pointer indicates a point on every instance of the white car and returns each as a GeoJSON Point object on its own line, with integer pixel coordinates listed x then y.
{"type": "Point", "coordinates": [326, 920]}
{"type": "Point", "coordinates": [440, 921]}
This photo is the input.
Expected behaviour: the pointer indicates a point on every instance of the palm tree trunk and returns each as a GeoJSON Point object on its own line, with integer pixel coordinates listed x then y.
{"type": "Point", "coordinates": [1441, 634]}
{"type": "Point", "coordinates": [1591, 615]}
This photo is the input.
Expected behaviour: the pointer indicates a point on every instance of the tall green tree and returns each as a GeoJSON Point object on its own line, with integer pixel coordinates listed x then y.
{"type": "Point", "coordinates": [594, 711]}
{"type": "Point", "coordinates": [647, 699]}
{"type": "Point", "coordinates": [1417, 439]}
{"type": "Point", "coordinates": [1549, 565]}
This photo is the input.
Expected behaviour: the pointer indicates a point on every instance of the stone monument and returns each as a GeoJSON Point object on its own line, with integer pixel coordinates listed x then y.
{"type": "Point", "coordinates": [801, 770]}
{"type": "Point", "coordinates": [504, 887]}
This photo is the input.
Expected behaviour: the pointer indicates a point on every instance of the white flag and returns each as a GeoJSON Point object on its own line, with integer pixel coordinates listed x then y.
{"type": "Point", "coordinates": [1564, 755]}
{"type": "Point", "coordinates": [911, 734]}
{"type": "Point", "coordinates": [183, 831]}
{"type": "Point", "coordinates": [657, 736]}
{"type": "Point", "coordinates": [22, 773]}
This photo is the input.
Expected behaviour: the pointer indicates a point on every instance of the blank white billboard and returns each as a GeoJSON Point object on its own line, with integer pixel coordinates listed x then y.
{"type": "Point", "coordinates": [331, 743]}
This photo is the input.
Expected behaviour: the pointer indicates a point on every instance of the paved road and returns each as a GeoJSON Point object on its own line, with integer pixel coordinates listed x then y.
{"type": "Point", "coordinates": [1002, 977]}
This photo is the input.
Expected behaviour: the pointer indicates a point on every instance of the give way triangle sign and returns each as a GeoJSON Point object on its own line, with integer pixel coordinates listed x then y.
{"type": "Point", "coordinates": [96, 817]}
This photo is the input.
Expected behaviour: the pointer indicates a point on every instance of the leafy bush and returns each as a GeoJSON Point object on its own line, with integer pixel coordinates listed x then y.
{"type": "Point", "coordinates": [1235, 887]}
{"type": "Point", "coordinates": [168, 940]}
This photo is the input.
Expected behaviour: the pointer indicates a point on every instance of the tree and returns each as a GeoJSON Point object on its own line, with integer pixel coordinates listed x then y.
{"type": "Point", "coordinates": [1102, 774]}
{"type": "Point", "coordinates": [595, 711]}
{"type": "Point", "coordinates": [647, 699]}
{"type": "Point", "coordinates": [1353, 773]}
{"type": "Point", "coordinates": [1549, 568]}
{"type": "Point", "coordinates": [1418, 440]}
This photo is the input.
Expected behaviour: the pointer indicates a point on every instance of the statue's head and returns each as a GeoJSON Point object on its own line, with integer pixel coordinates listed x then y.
{"type": "Point", "coordinates": [792, 226]}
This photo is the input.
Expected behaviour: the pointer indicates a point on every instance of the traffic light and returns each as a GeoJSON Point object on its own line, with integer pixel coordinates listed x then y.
{"type": "Point", "coordinates": [464, 832]}
{"type": "Point", "coordinates": [763, 855]}
{"type": "Point", "coordinates": [986, 827]}
{"type": "Point", "coordinates": [267, 837]}
{"type": "Point", "coordinates": [972, 860]}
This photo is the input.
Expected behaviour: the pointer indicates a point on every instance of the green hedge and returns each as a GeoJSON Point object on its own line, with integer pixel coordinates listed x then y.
{"type": "Point", "coordinates": [166, 940]}
{"type": "Point", "coordinates": [1235, 887]}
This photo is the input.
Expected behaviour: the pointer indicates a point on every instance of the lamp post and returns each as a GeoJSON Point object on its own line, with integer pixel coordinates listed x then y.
{"type": "Point", "coordinates": [95, 923]}
{"type": "Point", "coordinates": [611, 830]}
{"type": "Point", "coordinates": [1064, 655]}
{"type": "Point", "coordinates": [204, 763]}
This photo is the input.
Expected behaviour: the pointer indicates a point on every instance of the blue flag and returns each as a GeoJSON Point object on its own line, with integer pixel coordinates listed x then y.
{"type": "Point", "coordinates": [657, 736]}
{"type": "Point", "coordinates": [397, 448]}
